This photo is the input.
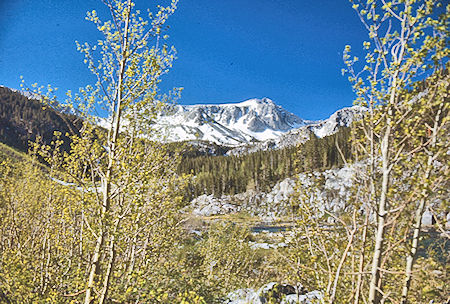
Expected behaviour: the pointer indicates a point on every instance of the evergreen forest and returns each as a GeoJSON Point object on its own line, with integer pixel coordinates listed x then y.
{"type": "Point", "coordinates": [260, 170]}
{"type": "Point", "coordinates": [104, 215]}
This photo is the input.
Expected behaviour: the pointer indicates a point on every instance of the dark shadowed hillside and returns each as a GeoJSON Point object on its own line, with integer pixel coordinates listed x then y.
{"type": "Point", "coordinates": [23, 119]}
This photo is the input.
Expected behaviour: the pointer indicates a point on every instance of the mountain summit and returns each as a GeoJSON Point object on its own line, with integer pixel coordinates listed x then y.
{"type": "Point", "coordinates": [230, 124]}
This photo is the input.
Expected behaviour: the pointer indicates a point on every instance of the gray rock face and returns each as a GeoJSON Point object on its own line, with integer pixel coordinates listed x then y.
{"type": "Point", "coordinates": [274, 292]}
{"type": "Point", "coordinates": [293, 137]}
{"type": "Point", "coordinates": [231, 124]}
{"type": "Point", "coordinates": [198, 116]}
{"type": "Point", "coordinates": [257, 125]}
{"type": "Point", "coordinates": [278, 202]}
{"type": "Point", "coordinates": [427, 218]}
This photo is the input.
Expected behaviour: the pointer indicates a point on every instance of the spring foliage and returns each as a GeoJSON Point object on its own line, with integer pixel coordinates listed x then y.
{"type": "Point", "coordinates": [367, 249]}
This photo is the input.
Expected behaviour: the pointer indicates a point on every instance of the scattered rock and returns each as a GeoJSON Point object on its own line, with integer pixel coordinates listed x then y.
{"type": "Point", "coordinates": [273, 291]}
{"type": "Point", "coordinates": [428, 219]}
{"type": "Point", "coordinates": [278, 202]}
{"type": "Point", "coordinates": [207, 205]}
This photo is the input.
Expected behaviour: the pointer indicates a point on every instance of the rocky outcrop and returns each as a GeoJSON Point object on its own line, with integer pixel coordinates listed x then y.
{"type": "Point", "coordinates": [233, 124]}
{"type": "Point", "coordinates": [279, 201]}
{"type": "Point", "coordinates": [274, 293]}
{"type": "Point", "coordinates": [293, 137]}
{"type": "Point", "coordinates": [268, 205]}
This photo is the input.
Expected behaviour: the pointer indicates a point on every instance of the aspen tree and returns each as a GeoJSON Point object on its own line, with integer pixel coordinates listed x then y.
{"type": "Point", "coordinates": [129, 64]}
{"type": "Point", "coordinates": [430, 156]}
{"type": "Point", "coordinates": [407, 44]}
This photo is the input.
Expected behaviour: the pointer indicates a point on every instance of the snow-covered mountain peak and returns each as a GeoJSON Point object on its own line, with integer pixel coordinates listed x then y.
{"type": "Point", "coordinates": [341, 118]}
{"type": "Point", "coordinates": [230, 124]}
{"type": "Point", "coordinates": [255, 103]}
{"type": "Point", "coordinates": [247, 126]}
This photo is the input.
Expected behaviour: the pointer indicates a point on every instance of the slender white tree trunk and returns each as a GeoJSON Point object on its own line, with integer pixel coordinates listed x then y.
{"type": "Point", "coordinates": [110, 265]}
{"type": "Point", "coordinates": [94, 269]}
{"type": "Point", "coordinates": [418, 216]}
{"type": "Point", "coordinates": [382, 203]}
{"type": "Point", "coordinates": [361, 258]}
{"type": "Point", "coordinates": [412, 254]}
{"type": "Point", "coordinates": [379, 240]}
{"type": "Point", "coordinates": [106, 204]}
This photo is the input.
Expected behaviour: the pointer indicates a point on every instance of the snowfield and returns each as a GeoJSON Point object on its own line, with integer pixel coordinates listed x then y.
{"type": "Point", "coordinates": [246, 127]}
{"type": "Point", "coordinates": [231, 124]}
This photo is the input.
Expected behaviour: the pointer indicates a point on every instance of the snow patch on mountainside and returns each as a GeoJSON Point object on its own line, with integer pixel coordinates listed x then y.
{"type": "Point", "coordinates": [231, 124]}
{"type": "Point", "coordinates": [341, 118]}
{"type": "Point", "coordinates": [248, 126]}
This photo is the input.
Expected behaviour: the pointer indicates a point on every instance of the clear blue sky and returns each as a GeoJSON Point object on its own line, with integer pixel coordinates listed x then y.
{"type": "Point", "coordinates": [228, 50]}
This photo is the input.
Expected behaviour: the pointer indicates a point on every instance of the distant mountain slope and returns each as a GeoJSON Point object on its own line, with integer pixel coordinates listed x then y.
{"type": "Point", "coordinates": [233, 128]}
{"type": "Point", "coordinates": [231, 124]}
{"type": "Point", "coordinates": [248, 126]}
{"type": "Point", "coordinates": [340, 119]}
{"type": "Point", "coordinates": [23, 119]}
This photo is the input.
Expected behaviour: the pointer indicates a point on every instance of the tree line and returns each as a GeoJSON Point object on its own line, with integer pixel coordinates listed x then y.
{"type": "Point", "coordinates": [261, 170]}
{"type": "Point", "coordinates": [23, 120]}
{"type": "Point", "coordinates": [104, 221]}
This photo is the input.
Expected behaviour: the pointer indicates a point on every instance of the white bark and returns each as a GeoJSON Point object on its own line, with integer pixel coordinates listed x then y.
{"type": "Point", "coordinates": [419, 213]}
{"type": "Point", "coordinates": [106, 206]}
{"type": "Point", "coordinates": [381, 217]}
